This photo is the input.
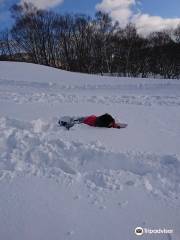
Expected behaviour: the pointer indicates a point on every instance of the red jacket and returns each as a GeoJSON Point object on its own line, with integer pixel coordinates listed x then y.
{"type": "Point", "coordinates": [91, 121]}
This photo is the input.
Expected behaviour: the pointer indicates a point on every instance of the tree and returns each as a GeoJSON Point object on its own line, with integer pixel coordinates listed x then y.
{"type": "Point", "coordinates": [80, 43]}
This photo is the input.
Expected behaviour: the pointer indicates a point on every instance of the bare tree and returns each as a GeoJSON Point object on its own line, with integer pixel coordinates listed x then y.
{"type": "Point", "coordinates": [80, 43]}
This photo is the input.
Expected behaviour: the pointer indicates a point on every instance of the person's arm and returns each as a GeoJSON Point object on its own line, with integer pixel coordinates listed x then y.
{"type": "Point", "coordinates": [116, 125]}
{"type": "Point", "coordinates": [119, 125]}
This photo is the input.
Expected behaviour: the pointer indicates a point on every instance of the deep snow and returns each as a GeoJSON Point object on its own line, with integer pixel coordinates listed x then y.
{"type": "Point", "coordinates": [87, 183]}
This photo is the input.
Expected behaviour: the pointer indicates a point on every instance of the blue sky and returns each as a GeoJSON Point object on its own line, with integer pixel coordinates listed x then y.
{"type": "Point", "coordinates": [163, 8]}
{"type": "Point", "coordinates": [122, 10]}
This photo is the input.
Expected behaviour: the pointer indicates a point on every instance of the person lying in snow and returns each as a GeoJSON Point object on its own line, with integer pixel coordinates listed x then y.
{"type": "Point", "coordinates": [105, 120]}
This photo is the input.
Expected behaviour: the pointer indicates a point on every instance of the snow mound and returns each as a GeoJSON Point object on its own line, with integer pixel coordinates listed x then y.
{"type": "Point", "coordinates": [37, 148]}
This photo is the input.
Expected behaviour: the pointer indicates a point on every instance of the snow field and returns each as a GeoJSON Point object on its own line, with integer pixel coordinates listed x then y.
{"type": "Point", "coordinates": [87, 183]}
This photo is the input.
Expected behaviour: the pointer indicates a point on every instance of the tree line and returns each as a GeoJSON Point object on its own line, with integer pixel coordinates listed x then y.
{"type": "Point", "coordinates": [80, 43]}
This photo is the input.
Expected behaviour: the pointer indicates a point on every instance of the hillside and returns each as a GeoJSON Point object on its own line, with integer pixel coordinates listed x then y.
{"type": "Point", "coordinates": [87, 183]}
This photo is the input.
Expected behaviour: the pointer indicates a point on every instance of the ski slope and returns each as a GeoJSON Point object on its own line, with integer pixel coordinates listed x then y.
{"type": "Point", "coordinates": [87, 183]}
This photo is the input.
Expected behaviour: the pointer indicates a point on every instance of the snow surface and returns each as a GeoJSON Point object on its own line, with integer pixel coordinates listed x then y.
{"type": "Point", "coordinates": [87, 183]}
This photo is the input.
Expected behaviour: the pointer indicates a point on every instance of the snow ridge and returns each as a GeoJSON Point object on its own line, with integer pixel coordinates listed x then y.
{"type": "Point", "coordinates": [43, 97]}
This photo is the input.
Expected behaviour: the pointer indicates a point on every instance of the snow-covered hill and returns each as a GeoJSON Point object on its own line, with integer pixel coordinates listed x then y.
{"type": "Point", "coordinates": [87, 183]}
